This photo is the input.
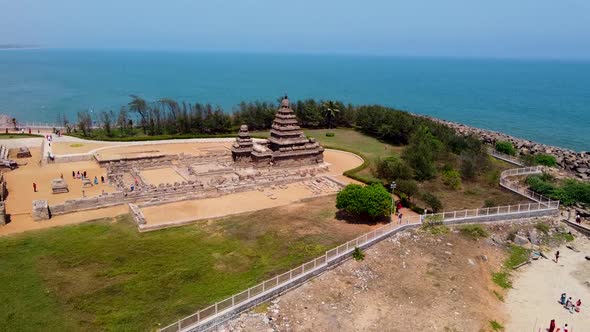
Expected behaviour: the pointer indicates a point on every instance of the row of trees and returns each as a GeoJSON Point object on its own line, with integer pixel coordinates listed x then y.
{"type": "Point", "coordinates": [167, 116]}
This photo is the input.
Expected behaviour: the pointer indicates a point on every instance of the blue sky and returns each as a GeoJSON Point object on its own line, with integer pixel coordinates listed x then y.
{"type": "Point", "coordinates": [498, 28]}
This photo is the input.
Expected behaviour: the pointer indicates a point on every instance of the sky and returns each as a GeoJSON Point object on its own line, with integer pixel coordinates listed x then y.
{"type": "Point", "coordinates": [466, 28]}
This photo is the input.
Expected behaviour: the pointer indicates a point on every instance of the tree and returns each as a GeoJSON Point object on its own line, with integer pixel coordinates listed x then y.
{"type": "Point", "coordinates": [422, 152]}
{"type": "Point", "coordinates": [393, 169]}
{"type": "Point", "coordinates": [84, 122]}
{"type": "Point", "coordinates": [330, 111]}
{"type": "Point", "coordinates": [373, 201]}
{"type": "Point", "coordinates": [14, 123]}
{"type": "Point", "coordinates": [106, 117]}
{"type": "Point", "coordinates": [408, 187]}
{"type": "Point", "coordinates": [123, 121]}
{"type": "Point", "coordinates": [432, 201]}
{"type": "Point", "coordinates": [140, 106]}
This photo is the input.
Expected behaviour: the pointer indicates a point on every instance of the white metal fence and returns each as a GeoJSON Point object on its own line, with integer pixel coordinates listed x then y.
{"type": "Point", "coordinates": [285, 278]}
{"type": "Point", "coordinates": [508, 158]}
{"type": "Point", "coordinates": [541, 204]}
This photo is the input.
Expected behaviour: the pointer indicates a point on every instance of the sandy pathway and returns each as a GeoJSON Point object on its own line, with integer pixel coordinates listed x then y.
{"type": "Point", "coordinates": [537, 287]}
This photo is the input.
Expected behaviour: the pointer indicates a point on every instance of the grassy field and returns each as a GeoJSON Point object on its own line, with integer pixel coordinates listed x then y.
{"type": "Point", "coordinates": [16, 135]}
{"type": "Point", "coordinates": [104, 275]}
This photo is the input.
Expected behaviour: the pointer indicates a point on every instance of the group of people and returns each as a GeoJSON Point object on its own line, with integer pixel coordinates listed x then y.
{"type": "Point", "coordinates": [82, 175]}
{"type": "Point", "coordinates": [569, 303]}
{"type": "Point", "coordinates": [553, 328]}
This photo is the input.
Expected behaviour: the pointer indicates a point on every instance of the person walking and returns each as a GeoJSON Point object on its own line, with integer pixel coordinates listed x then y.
{"type": "Point", "coordinates": [34, 187]}
{"type": "Point", "coordinates": [557, 256]}
{"type": "Point", "coordinates": [73, 175]}
{"type": "Point", "coordinates": [565, 328]}
{"type": "Point", "coordinates": [101, 179]}
{"type": "Point", "coordinates": [95, 180]}
{"type": "Point", "coordinates": [578, 219]}
{"type": "Point", "coordinates": [399, 218]}
{"type": "Point", "coordinates": [562, 299]}
{"type": "Point", "coordinates": [552, 326]}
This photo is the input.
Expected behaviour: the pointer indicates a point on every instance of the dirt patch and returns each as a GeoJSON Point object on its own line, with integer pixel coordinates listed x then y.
{"type": "Point", "coordinates": [414, 281]}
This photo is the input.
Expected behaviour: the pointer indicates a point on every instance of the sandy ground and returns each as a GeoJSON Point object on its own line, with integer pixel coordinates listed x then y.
{"type": "Point", "coordinates": [20, 183]}
{"type": "Point", "coordinates": [162, 149]}
{"type": "Point", "coordinates": [225, 205]}
{"type": "Point", "coordinates": [411, 282]}
{"type": "Point", "coordinates": [22, 223]}
{"type": "Point", "coordinates": [532, 303]}
{"type": "Point", "coordinates": [60, 148]}
{"type": "Point", "coordinates": [161, 175]}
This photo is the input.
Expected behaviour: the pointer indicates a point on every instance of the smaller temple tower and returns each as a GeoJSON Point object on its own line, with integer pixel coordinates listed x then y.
{"type": "Point", "coordinates": [242, 148]}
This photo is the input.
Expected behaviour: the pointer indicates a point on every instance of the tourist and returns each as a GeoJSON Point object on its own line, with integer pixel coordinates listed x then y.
{"type": "Point", "coordinates": [84, 173]}
{"type": "Point", "coordinates": [95, 180]}
{"type": "Point", "coordinates": [399, 218]}
{"type": "Point", "coordinates": [78, 175]}
{"type": "Point", "coordinates": [62, 176]}
{"type": "Point", "coordinates": [73, 174]}
{"type": "Point", "coordinates": [578, 305]}
{"type": "Point", "coordinates": [34, 187]}
{"type": "Point", "coordinates": [578, 219]}
{"type": "Point", "coordinates": [83, 193]}
{"type": "Point", "coordinates": [132, 187]}
{"type": "Point", "coordinates": [562, 299]}
{"type": "Point", "coordinates": [101, 179]}
{"type": "Point", "coordinates": [552, 326]}
{"type": "Point", "coordinates": [565, 328]}
{"type": "Point", "coordinates": [569, 305]}
{"type": "Point", "coordinates": [557, 256]}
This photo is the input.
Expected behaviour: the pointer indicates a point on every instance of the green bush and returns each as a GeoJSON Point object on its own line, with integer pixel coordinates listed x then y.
{"type": "Point", "coordinates": [432, 201]}
{"type": "Point", "coordinates": [392, 168]}
{"type": "Point", "coordinates": [473, 231]}
{"type": "Point", "coordinates": [545, 160]}
{"type": "Point", "coordinates": [330, 134]}
{"type": "Point", "coordinates": [373, 200]}
{"type": "Point", "coordinates": [518, 255]}
{"type": "Point", "coordinates": [569, 192]}
{"type": "Point", "coordinates": [490, 202]}
{"type": "Point", "coordinates": [496, 326]}
{"type": "Point", "coordinates": [542, 227]}
{"type": "Point", "coordinates": [407, 187]}
{"type": "Point", "coordinates": [452, 178]}
{"type": "Point", "coordinates": [357, 254]}
{"type": "Point", "coordinates": [506, 148]}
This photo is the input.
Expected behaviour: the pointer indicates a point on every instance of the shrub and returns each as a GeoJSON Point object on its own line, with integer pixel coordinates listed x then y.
{"type": "Point", "coordinates": [452, 178]}
{"type": "Point", "coordinates": [473, 231]}
{"type": "Point", "coordinates": [545, 160]}
{"type": "Point", "coordinates": [373, 200]}
{"type": "Point", "coordinates": [518, 255]}
{"type": "Point", "coordinates": [357, 254]}
{"type": "Point", "coordinates": [505, 147]}
{"type": "Point", "coordinates": [330, 134]}
{"type": "Point", "coordinates": [432, 201]}
{"type": "Point", "coordinates": [490, 202]}
{"type": "Point", "coordinates": [493, 177]}
{"type": "Point", "coordinates": [542, 227]}
{"type": "Point", "coordinates": [392, 168]}
{"type": "Point", "coordinates": [407, 187]}
{"type": "Point", "coordinates": [496, 326]}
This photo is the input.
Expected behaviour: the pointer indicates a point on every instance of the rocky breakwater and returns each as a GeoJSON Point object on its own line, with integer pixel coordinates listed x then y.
{"type": "Point", "coordinates": [578, 163]}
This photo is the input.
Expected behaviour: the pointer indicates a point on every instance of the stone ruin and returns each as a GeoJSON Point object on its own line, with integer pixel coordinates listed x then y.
{"type": "Point", "coordinates": [23, 152]}
{"type": "Point", "coordinates": [40, 210]}
{"type": "Point", "coordinates": [59, 186]}
{"type": "Point", "coordinates": [287, 145]}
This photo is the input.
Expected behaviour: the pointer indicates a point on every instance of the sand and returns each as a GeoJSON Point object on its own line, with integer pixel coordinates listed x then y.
{"type": "Point", "coordinates": [532, 303]}
{"type": "Point", "coordinates": [61, 148]}
{"type": "Point", "coordinates": [20, 183]}
{"type": "Point", "coordinates": [195, 149]}
{"type": "Point", "coordinates": [225, 205]}
{"type": "Point", "coordinates": [161, 175]}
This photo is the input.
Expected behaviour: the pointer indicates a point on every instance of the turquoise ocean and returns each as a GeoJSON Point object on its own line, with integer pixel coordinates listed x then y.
{"type": "Point", "coordinates": [542, 100]}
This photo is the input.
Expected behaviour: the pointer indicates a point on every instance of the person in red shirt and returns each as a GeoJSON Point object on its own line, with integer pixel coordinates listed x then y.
{"type": "Point", "coordinates": [34, 187]}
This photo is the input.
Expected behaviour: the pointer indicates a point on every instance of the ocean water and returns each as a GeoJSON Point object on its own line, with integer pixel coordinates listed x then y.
{"type": "Point", "coordinates": [545, 101]}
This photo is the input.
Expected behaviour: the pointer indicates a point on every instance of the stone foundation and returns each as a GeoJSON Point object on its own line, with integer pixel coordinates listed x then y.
{"type": "Point", "coordinates": [40, 210]}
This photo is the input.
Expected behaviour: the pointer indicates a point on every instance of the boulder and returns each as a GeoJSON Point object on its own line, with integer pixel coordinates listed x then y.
{"type": "Point", "coordinates": [520, 240]}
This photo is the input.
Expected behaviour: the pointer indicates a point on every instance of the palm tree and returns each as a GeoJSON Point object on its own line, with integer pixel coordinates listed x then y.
{"type": "Point", "coordinates": [330, 111]}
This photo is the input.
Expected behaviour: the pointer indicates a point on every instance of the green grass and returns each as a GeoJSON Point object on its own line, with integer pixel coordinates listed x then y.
{"type": "Point", "coordinates": [517, 256]}
{"type": "Point", "coordinates": [542, 227]}
{"type": "Point", "coordinates": [15, 135]}
{"type": "Point", "coordinates": [499, 296]}
{"type": "Point", "coordinates": [502, 279]}
{"type": "Point", "coordinates": [473, 231]}
{"type": "Point", "coordinates": [496, 326]}
{"type": "Point", "coordinates": [563, 237]}
{"type": "Point", "coordinates": [104, 275]}
{"type": "Point", "coordinates": [436, 229]}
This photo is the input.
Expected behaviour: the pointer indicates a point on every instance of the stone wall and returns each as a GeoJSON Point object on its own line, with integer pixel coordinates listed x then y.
{"type": "Point", "coordinates": [88, 203]}
{"type": "Point", "coordinates": [576, 162]}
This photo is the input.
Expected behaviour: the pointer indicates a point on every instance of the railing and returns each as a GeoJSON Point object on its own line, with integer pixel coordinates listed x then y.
{"type": "Point", "coordinates": [541, 204]}
{"type": "Point", "coordinates": [289, 276]}
{"type": "Point", "coordinates": [508, 158]}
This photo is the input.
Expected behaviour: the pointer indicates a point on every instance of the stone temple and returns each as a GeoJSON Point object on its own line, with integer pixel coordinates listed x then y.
{"type": "Point", "coordinates": [287, 145]}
